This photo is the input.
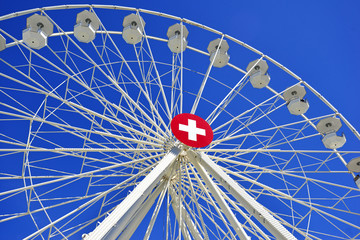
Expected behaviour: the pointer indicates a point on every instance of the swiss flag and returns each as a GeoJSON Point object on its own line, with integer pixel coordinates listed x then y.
{"type": "Point", "coordinates": [192, 130]}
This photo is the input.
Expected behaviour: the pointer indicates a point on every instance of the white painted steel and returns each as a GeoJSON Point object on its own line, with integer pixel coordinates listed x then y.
{"type": "Point", "coordinates": [115, 223]}
{"type": "Point", "coordinates": [143, 210]}
{"type": "Point", "coordinates": [203, 83]}
{"type": "Point", "coordinates": [205, 233]}
{"type": "Point", "coordinates": [219, 198]}
{"type": "Point", "coordinates": [249, 203]}
{"type": "Point", "coordinates": [175, 203]}
{"type": "Point", "coordinates": [114, 102]}
{"type": "Point", "coordinates": [98, 197]}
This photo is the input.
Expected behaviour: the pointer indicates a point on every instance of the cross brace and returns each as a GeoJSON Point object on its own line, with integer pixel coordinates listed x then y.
{"type": "Point", "coordinates": [112, 226]}
{"type": "Point", "coordinates": [248, 202]}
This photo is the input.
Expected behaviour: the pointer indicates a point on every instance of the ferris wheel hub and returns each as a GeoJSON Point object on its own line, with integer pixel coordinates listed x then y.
{"type": "Point", "coordinates": [125, 95]}
{"type": "Point", "coordinates": [192, 130]}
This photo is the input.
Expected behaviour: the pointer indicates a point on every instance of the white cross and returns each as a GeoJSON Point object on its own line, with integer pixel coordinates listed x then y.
{"type": "Point", "coordinates": [192, 130]}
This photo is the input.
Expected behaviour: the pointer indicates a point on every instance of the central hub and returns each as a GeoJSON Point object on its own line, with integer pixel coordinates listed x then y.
{"type": "Point", "coordinates": [192, 130]}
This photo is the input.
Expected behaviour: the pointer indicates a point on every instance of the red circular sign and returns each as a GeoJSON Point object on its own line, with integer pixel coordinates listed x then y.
{"type": "Point", "coordinates": [192, 130]}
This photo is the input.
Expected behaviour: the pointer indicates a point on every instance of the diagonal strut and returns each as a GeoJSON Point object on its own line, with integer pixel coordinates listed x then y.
{"type": "Point", "coordinates": [112, 226]}
{"type": "Point", "coordinates": [249, 203]}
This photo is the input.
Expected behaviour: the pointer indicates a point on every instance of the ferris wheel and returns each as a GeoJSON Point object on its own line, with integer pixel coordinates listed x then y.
{"type": "Point", "coordinates": [124, 123]}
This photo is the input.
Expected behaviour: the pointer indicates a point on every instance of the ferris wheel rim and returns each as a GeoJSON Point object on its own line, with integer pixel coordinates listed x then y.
{"type": "Point", "coordinates": [190, 22]}
{"type": "Point", "coordinates": [336, 113]}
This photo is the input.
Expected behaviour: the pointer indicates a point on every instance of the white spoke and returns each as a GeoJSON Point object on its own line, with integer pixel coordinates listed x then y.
{"type": "Point", "coordinates": [201, 89]}
{"type": "Point", "coordinates": [88, 148]}
{"type": "Point", "coordinates": [221, 201]}
{"type": "Point", "coordinates": [229, 97]}
{"type": "Point", "coordinates": [249, 203]}
{"type": "Point", "coordinates": [185, 216]}
{"type": "Point", "coordinates": [79, 208]}
{"type": "Point", "coordinates": [157, 74]}
{"type": "Point", "coordinates": [120, 216]}
{"type": "Point", "coordinates": [133, 225]}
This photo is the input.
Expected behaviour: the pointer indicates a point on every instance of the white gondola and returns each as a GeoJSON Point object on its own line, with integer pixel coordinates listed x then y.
{"type": "Point", "coordinates": [38, 28]}
{"type": "Point", "coordinates": [86, 25]}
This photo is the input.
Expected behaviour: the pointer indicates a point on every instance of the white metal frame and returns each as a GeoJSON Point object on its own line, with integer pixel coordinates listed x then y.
{"type": "Point", "coordinates": [251, 205]}
{"type": "Point", "coordinates": [145, 160]}
{"type": "Point", "coordinates": [116, 222]}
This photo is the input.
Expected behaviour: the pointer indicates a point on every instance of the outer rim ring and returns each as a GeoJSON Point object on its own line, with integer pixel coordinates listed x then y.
{"type": "Point", "coordinates": [115, 7]}
{"type": "Point", "coordinates": [186, 21]}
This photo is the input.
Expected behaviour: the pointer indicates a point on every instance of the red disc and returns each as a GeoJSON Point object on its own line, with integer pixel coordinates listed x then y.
{"type": "Point", "coordinates": [192, 130]}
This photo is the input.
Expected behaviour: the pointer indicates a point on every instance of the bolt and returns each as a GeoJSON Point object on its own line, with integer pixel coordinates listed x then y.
{"type": "Point", "coordinates": [328, 125]}
{"type": "Point", "coordinates": [40, 25]}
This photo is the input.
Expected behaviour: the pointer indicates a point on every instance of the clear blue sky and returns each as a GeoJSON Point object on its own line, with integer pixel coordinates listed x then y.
{"type": "Point", "coordinates": [318, 40]}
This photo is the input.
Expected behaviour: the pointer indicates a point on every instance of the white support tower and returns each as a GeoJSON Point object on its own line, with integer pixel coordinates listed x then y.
{"type": "Point", "coordinates": [249, 203]}
{"type": "Point", "coordinates": [219, 199]}
{"type": "Point", "coordinates": [93, 119]}
{"type": "Point", "coordinates": [141, 213]}
{"type": "Point", "coordinates": [115, 223]}
{"type": "Point", "coordinates": [175, 203]}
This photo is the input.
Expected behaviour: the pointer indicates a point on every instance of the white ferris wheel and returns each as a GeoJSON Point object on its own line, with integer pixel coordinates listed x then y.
{"type": "Point", "coordinates": [90, 147]}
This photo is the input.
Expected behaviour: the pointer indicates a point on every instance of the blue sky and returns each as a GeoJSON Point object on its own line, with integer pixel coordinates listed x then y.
{"type": "Point", "coordinates": [317, 40]}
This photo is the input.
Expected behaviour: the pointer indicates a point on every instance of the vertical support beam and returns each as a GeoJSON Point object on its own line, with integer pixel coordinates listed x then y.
{"type": "Point", "coordinates": [154, 216]}
{"type": "Point", "coordinates": [175, 206]}
{"type": "Point", "coordinates": [115, 223]}
{"type": "Point", "coordinates": [141, 213]}
{"type": "Point", "coordinates": [211, 201]}
{"type": "Point", "coordinates": [182, 225]}
{"type": "Point", "coordinates": [249, 203]}
{"type": "Point", "coordinates": [206, 236]}
{"type": "Point", "coordinates": [190, 224]}
{"type": "Point", "coordinates": [247, 218]}
{"type": "Point", "coordinates": [220, 200]}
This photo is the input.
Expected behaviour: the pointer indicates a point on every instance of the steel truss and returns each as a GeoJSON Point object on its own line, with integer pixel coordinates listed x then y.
{"type": "Point", "coordinates": [86, 147]}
